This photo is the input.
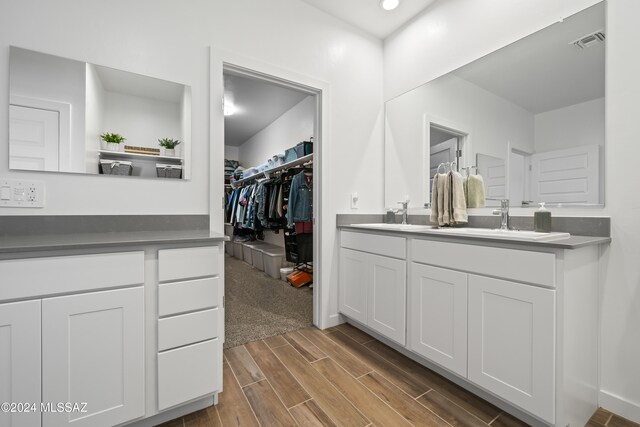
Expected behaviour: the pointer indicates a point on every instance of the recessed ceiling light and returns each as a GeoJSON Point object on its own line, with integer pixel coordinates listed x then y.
{"type": "Point", "coordinates": [389, 4]}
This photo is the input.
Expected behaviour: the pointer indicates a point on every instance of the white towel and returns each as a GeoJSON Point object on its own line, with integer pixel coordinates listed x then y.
{"type": "Point", "coordinates": [434, 200]}
{"type": "Point", "coordinates": [458, 201]}
{"type": "Point", "coordinates": [475, 191]}
{"type": "Point", "coordinates": [447, 215]}
{"type": "Point", "coordinates": [441, 180]}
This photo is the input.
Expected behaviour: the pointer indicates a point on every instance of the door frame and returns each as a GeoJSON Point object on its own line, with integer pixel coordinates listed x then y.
{"type": "Point", "coordinates": [462, 131]}
{"type": "Point", "coordinates": [224, 60]}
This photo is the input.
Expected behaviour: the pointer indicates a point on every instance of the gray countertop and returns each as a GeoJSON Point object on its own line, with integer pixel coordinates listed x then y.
{"type": "Point", "coordinates": [572, 242]}
{"type": "Point", "coordinates": [47, 242]}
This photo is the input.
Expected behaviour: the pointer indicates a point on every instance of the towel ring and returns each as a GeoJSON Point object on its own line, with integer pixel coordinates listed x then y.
{"type": "Point", "coordinates": [442, 165]}
{"type": "Point", "coordinates": [451, 168]}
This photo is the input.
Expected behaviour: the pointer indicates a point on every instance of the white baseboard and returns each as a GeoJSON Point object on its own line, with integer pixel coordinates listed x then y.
{"type": "Point", "coordinates": [619, 406]}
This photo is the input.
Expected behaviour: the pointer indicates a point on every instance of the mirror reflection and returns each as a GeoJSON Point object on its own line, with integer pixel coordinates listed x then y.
{"type": "Point", "coordinates": [73, 116]}
{"type": "Point", "coordinates": [529, 118]}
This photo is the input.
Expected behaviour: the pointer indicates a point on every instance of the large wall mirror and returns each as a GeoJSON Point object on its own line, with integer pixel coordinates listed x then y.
{"type": "Point", "coordinates": [72, 116]}
{"type": "Point", "coordinates": [530, 118]}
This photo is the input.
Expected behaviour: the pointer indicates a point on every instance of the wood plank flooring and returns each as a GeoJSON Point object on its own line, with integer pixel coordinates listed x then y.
{"type": "Point", "coordinates": [344, 377]}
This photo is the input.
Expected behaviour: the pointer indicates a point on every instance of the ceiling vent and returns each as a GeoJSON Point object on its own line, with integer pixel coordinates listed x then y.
{"type": "Point", "coordinates": [589, 40]}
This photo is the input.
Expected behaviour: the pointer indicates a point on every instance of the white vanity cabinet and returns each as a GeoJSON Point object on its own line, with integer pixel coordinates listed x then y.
{"type": "Point", "coordinates": [93, 353]}
{"type": "Point", "coordinates": [373, 282]}
{"type": "Point", "coordinates": [514, 323]}
{"type": "Point", "coordinates": [136, 335]}
{"type": "Point", "coordinates": [20, 360]}
{"type": "Point", "coordinates": [438, 316]}
{"type": "Point", "coordinates": [518, 321]}
{"type": "Point", "coordinates": [87, 347]}
{"type": "Point", "coordinates": [190, 324]}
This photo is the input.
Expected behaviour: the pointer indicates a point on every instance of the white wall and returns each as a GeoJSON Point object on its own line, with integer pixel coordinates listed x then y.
{"type": "Point", "coordinates": [142, 121]}
{"type": "Point", "coordinates": [458, 31]}
{"type": "Point", "coordinates": [94, 112]}
{"type": "Point", "coordinates": [231, 152]}
{"type": "Point", "coordinates": [574, 126]}
{"type": "Point", "coordinates": [55, 79]}
{"type": "Point", "coordinates": [286, 131]}
{"type": "Point", "coordinates": [491, 122]}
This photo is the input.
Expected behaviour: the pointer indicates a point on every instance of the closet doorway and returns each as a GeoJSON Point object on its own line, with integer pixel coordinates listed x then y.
{"type": "Point", "coordinates": [271, 131]}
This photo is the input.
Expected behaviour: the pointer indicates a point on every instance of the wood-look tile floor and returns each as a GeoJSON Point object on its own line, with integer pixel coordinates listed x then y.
{"type": "Point", "coordinates": [342, 376]}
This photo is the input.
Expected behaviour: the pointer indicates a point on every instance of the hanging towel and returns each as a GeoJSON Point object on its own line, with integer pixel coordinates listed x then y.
{"type": "Point", "coordinates": [442, 178]}
{"type": "Point", "coordinates": [434, 200]}
{"type": "Point", "coordinates": [458, 203]}
{"type": "Point", "coordinates": [475, 191]}
{"type": "Point", "coordinates": [447, 216]}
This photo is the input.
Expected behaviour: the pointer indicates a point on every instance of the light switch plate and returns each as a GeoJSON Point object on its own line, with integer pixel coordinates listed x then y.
{"type": "Point", "coordinates": [354, 200]}
{"type": "Point", "coordinates": [21, 194]}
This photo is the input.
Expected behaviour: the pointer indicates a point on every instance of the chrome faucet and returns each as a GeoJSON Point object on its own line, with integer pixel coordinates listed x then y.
{"type": "Point", "coordinates": [504, 214]}
{"type": "Point", "coordinates": [405, 210]}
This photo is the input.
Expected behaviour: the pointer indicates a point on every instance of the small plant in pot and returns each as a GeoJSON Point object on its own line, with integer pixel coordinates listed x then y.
{"type": "Point", "coordinates": [169, 146]}
{"type": "Point", "coordinates": [112, 140]}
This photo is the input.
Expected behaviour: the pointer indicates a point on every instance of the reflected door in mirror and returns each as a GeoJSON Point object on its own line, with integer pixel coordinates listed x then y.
{"type": "Point", "coordinates": [33, 138]}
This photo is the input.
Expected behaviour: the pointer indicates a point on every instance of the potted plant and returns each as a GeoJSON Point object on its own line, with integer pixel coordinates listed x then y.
{"type": "Point", "coordinates": [169, 146]}
{"type": "Point", "coordinates": [112, 140]}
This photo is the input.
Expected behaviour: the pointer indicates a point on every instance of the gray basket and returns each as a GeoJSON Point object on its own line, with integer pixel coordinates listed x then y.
{"type": "Point", "coordinates": [168, 171]}
{"type": "Point", "coordinates": [116, 167]}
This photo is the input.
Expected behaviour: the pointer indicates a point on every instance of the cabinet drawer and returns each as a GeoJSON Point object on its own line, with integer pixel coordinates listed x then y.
{"type": "Point", "coordinates": [375, 243]}
{"type": "Point", "coordinates": [192, 295]}
{"type": "Point", "coordinates": [186, 329]}
{"type": "Point", "coordinates": [187, 373]}
{"type": "Point", "coordinates": [32, 277]}
{"type": "Point", "coordinates": [188, 263]}
{"type": "Point", "coordinates": [524, 266]}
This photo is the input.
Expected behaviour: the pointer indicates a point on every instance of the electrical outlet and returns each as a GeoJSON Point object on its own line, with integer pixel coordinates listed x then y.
{"type": "Point", "coordinates": [21, 194]}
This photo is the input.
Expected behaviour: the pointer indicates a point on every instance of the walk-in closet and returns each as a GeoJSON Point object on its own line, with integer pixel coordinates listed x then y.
{"type": "Point", "coordinates": [269, 172]}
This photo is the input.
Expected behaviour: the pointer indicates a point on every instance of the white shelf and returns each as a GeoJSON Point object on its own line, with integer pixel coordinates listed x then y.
{"type": "Point", "coordinates": [123, 155]}
{"type": "Point", "coordinates": [296, 162]}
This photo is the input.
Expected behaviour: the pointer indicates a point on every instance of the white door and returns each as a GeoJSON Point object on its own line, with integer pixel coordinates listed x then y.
{"type": "Point", "coordinates": [444, 152]}
{"type": "Point", "coordinates": [33, 138]}
{"type": "Point", "coordinates": [20, 361]}
{"type": "Point", "coordinates": [354, 282]}
{"type": "Point", "coordinates": [512, 343]}
{"type": "Point", "coordinates": [386, 308]}
{"type": "Point", "coordinates": [438, 316]}
{"type": "Point", "coordinates": [493, 173]}
{"type": "Point", "coordinates": [93, 353]}
{"type": "Point", "coordinates": [566, 176]}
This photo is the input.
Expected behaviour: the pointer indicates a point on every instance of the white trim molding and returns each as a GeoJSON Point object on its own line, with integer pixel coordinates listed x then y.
{"type": "Point", "coordinates": [619, 406]}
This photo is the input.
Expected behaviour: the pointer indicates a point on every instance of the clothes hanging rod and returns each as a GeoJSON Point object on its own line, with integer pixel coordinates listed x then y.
{"type": "Point", "coordinates": [297, 162]}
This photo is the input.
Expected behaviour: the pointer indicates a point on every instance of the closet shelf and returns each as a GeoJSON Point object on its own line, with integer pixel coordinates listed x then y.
{"type": "Point", "coordinates": [296, 162]}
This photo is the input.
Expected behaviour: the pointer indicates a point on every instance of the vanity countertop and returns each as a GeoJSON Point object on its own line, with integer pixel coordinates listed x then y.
{"type": "Point", "coordinates": [70, 241]}
{"type": "Point", "coordinates": [572, 242]}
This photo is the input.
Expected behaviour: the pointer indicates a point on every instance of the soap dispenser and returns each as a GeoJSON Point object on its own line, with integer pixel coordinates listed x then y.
{"type": "Point", "coordinates": [542, 219]}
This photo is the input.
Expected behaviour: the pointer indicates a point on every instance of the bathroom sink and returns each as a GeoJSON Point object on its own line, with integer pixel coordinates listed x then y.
{"type": "Point", "coordinates": [503, 234]}
{"type": "Point", "coordinates": [396, 227]}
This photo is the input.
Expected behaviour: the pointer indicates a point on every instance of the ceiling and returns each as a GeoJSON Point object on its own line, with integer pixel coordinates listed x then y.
{"type": "Point", "coordinates": [544, 71]}
{"type": "Point", "coordinates": [133, 84]}
{"type": "Point", "coordinates": [369, 16]}
{"type": "Point", "coordinates": [257, 104]}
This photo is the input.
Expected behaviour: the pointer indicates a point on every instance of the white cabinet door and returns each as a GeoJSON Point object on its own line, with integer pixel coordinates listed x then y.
{"type": "Point", "coordinates": [387, 296]}
{"type": "Point", "coordinates": [438, 316]}
{"type": "Point", "coordinates": [20, 361]}
{"type": "Point", "coordinates": [512, 343]}
{"type": "Point", "coordinates": [93, 353]}
{"type": "Point", "coordinates": [354, 282]}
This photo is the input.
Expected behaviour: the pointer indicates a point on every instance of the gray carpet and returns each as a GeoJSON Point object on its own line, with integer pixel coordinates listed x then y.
{"type": "Point", "coordinates": [258, 306]}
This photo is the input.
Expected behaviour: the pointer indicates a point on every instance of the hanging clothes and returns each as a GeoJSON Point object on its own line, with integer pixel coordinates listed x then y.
{"type": "Point", "coordinates": [300, 198]}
